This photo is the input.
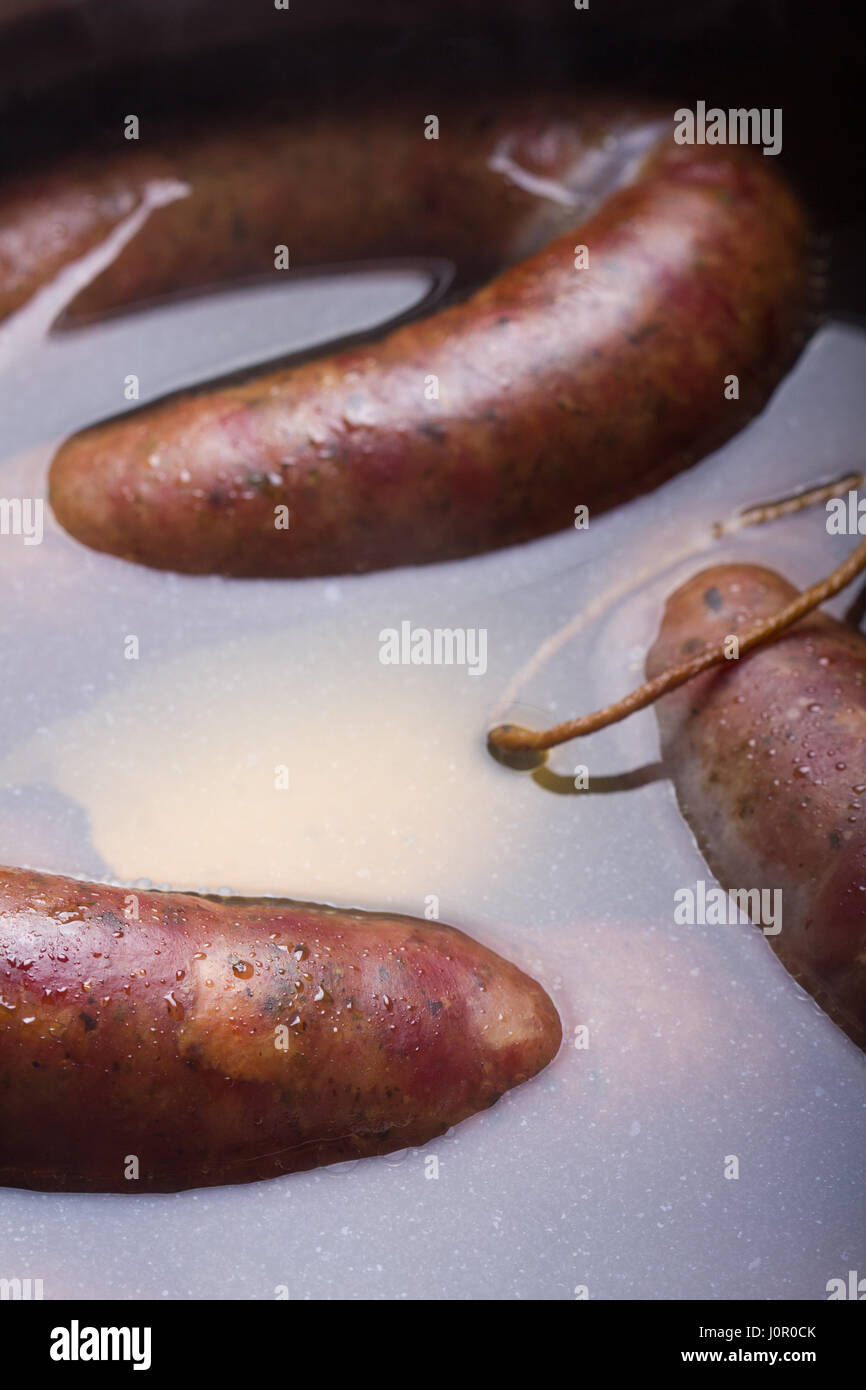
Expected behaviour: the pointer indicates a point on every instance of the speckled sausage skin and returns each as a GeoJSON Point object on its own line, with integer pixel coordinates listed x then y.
{"type": "Point", "coordinates": [768, 755]}
{"type": "Point", "coordinates": [226, 1041]}
{"type": "Point", "coordinates": [557, 385]}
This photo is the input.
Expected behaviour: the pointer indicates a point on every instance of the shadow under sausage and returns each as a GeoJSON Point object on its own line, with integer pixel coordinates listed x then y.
{"type": "Point", "coordinates": [562, 785]}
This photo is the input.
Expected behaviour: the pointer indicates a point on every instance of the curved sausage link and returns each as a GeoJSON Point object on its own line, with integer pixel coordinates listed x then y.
{"type": "Point", "coordinates": [568, 379]}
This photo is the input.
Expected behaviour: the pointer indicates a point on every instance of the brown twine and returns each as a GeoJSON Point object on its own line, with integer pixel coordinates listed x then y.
{"type": "Point", "coordinates": [512, 738]}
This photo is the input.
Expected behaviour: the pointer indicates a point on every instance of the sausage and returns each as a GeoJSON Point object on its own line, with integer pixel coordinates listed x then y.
{"type": "Point", "coordinates": [226, 1040]}
{"type": "Point", "coordinates": [558, 383]}
{"type": "Point", "coordinates": [331, 187]}
{"type": "Point", "coordinates": [768, 756]}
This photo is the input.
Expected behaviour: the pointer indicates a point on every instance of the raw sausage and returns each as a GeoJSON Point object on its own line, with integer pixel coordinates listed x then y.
{"type": "Point", "coordinates": [335, 187]}
{"type": "Point", "coordinates": [573, 377]}
{"type": "Point", "coordinates": [189, 1041]}
{"type": "Point", "coordinates": [768, 755]}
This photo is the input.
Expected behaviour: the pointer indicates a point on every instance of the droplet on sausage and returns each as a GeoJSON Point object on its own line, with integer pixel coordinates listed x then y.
{"type": "Point", "coordinates": [175, 1007]}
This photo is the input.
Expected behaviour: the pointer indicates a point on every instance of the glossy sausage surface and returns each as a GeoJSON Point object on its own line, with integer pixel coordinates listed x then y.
{"type": "Point", "coordinates": [330, 186]}
{"type": "Point", "coordinates": [220, 1041]}
{"type": "Point", "coordinates": [768, 755]}
{"type": "Point", "coordinates": [568, 379]}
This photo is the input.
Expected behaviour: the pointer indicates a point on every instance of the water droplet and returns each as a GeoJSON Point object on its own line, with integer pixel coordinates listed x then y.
{"type": "Point", "coordinates": [175, 1007]}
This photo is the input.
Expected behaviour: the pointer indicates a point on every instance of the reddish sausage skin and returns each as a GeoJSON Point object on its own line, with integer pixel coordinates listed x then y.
{"type": "Point", "coordinates": [768, 755]}
{"type": "Point", "coordinates": [487, 423]}
{"type": "Point", "coordinates": [338, 186]}
{"type": "Point", "coordinates": [225, 1041]}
